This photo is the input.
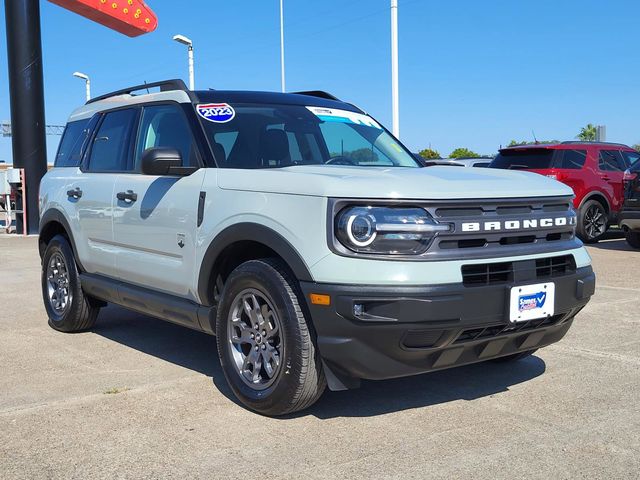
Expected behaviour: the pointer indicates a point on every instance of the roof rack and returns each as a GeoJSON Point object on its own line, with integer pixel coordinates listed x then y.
{"type": "Point", "coordinates": [319, 94]}
{"type": "Point", "coordinates": [592, 141]}
{"type": "Point", "coordinates": [165, 86]}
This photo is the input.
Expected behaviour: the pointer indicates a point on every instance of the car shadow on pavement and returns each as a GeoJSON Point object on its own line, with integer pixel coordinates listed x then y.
{"type": "Point", "coordinates": [197, 351]}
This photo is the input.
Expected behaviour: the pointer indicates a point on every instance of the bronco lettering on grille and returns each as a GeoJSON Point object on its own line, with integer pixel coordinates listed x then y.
{"type": "Point", "coordinates": [517, 224]}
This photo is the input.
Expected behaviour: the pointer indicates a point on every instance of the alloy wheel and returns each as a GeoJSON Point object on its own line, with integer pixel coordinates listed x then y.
{"type": "Point", "coordinates": [595, 222]}
{"type": "Point", "coordinates": [255, 338]}
{"type": "Point", "coordinates": [58, 283]}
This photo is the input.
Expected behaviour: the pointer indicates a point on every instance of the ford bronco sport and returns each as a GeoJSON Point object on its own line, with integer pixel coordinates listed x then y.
{"type": "Point", "coordinates": [301, 233]}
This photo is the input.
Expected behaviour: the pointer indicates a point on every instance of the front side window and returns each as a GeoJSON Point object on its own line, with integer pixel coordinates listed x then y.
{"type": "Point", "coordinates": [110, 149]}
{"type": "Point", "coordinates": [166, 126]}
{"type": "Point", "coordinates": [271, 136]}
{"type": "Point", "coordinates": [611, 161]}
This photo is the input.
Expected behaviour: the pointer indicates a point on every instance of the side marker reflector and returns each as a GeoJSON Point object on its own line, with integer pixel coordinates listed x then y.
{"type": "Point", "coordinates": [318, 299]}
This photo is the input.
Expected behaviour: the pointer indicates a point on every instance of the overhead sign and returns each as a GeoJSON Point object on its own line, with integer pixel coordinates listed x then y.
{"type": "Point", "coordinates": [130, 17]}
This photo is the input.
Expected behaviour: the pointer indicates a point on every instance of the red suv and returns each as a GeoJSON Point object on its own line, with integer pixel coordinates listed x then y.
{"type": "Point", "coordinates": [594, 170]}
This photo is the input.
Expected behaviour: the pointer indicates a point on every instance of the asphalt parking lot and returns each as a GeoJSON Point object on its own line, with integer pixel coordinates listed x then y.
{"type": "Point", "coordinates": [140, 398]}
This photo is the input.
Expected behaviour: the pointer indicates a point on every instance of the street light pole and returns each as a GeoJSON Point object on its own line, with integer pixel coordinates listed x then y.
{"type": "Point", "coordinates": [186, 41]}
{"type": "Point", "coordinates": [87, 83]}
{"type": "Point", "coordinates": [394, 70]}
{"type": "Point", "coordinates": [282, 45]}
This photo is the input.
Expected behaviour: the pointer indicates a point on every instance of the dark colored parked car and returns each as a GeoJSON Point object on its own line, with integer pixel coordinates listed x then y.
{"type": "Point", "coordinates": [594, 170]}
{"type": "Point", "coordinates": [630, 215]}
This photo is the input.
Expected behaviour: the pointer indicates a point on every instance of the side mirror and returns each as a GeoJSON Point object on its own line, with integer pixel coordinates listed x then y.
{"type": "Point", "coordinates": [160, 161]}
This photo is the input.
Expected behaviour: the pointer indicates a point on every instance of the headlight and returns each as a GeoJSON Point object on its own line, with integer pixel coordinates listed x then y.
{"type": "Point", "coordinates": [386, 230]}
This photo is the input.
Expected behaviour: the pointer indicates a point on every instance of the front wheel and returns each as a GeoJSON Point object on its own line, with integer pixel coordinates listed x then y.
{"type": "Point", "coordinates": [633, 238]}
{"type": "Point", "coordinates": [265, 342]}
{"type": "Point", "coordinates": [592, 221]}
{"type": "Point", "coordinates": [68, 308]}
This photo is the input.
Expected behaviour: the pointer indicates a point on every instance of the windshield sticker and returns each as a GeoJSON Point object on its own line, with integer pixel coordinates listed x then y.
{"type": "Point", "coordinates": [343, 116]}
{"type": "Point", "coordinates": [216, 112]}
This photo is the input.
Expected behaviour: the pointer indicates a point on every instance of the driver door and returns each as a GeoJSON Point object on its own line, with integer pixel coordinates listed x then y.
{"type": "Point", "coordinates": [155, 219]}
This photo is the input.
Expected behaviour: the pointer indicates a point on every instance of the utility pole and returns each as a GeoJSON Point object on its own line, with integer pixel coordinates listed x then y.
{"type": "Point", "coordinates": [26, 92]}
{"type": "Point", "coordinates": [282, 45]}
{"type": "Point", "coordinates": [394, 69]}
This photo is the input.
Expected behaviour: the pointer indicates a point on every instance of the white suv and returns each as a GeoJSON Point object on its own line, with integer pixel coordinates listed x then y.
{"type": "Point", "coordinates": [303, 235]}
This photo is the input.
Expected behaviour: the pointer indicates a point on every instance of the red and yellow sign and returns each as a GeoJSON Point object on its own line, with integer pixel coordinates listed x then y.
{"type": "Point", "coordinates": [130, 17]}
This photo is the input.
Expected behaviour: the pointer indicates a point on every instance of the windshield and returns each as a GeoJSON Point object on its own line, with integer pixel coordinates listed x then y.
{"type": "Point", "coordinates": [272, 136]}
{"type": "Point", "coordinates": [531, 159]}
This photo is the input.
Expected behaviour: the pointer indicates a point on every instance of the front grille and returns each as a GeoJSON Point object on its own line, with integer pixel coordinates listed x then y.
{"type": "Point", "coordinates": [555, 266]}
{"type": "Point", "coordinates": [485, 227]}
{"type": "Point", "coordinates": [473, 334]}
{"type": "Point", "coordinates": [487, 273]}
{"type": "Point", "coordinates": [481, 274]}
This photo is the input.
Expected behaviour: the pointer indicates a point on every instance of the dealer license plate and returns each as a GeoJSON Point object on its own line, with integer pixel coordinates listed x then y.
{"type": "Point", "coordinates": [532, 301]}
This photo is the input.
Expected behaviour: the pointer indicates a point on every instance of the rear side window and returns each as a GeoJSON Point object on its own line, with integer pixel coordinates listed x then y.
{"type": "Point", "coordinates": [571, 159]}
{"type": "Point", "coordinates": [632, 158]}
{"type": "Point", "coordinates": [110, 149]}
{"type": "Point", "coordinates": [611, 161]}
{"type": "Point", "coordinates": [524, 159]}
{"type": "Point", "coordinates": [70, 148]}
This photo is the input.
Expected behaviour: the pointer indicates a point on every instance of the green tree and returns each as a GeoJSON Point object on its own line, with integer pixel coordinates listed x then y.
{"type": "Point", "coordinates": [429, 154]}
{"type": "Point", "coordinates": [463, 153]}
{"type": "Point", "coordinates": [636, 147]}
{"type": "Point", "coordinates": [362, 155]}
{"type": "Point", "coordinates": [588, 133]}
{"type": "Point", "coordinates": [514, 143]}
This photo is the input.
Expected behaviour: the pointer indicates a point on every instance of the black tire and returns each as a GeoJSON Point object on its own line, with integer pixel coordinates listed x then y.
{"type": "Point", "coordinates": [593, 221]}
{"type": "Point", "coordinates": [633, 238]}
{"type": "Point", "coordinates": [515, 357]}
{"type": "Point", "coordinates": [79, 311]}
{"type": "Point", "coordinates": [299, 379]}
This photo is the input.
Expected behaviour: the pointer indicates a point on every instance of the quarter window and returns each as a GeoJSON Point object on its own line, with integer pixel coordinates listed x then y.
{"type": "Point", "coordinates": [70, 148]}
{"type": "Point", "coordinates": [571, 159]}
{"type": "Point", "coordinates": [166, 126]}
{"type": "Point", "coordinates": [110, 149]}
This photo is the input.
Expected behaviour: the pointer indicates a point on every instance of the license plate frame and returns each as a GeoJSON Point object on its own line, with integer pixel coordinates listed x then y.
{"type": "Point", "coordinates": [529, 302]}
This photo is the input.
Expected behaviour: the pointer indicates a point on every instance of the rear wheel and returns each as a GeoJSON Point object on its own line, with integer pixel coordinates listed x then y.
{"type": "Point", "coordinates": [515, 356]}
{"type": "Point", "coordinates": [592, 221]}
{"type": "Point", "coordinates": [265, 342]}
{"type": "Point", "coordinates": [68, 308]}
{"type": "Point", "coordinates": [633, 238]}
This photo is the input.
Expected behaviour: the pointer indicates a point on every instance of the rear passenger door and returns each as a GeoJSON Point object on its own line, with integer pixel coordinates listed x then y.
{"type": "Point", "coordinates": [90, 191]}
{"type": "Point", "coordinates": [155, 232]}
{"type": "Point", "coordinates": [611, 167]}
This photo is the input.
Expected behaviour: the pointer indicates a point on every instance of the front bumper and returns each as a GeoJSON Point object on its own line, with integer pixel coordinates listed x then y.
{"type": "Point", "coordinates": [411, 330]}
{"type": "Point", "coordinates": [630, 219]}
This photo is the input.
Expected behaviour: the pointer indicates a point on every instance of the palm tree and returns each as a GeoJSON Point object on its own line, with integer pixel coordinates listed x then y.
{"type": "Point", "coordinates": [588, 133]}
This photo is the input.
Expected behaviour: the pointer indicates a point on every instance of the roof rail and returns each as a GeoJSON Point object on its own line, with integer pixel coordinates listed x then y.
{"type": "Point", "coordinates": [319, 94]}
{"type": "Point", "coordinates": [165, 86]}
{"type": "Point", "coordinates": [595, 142]}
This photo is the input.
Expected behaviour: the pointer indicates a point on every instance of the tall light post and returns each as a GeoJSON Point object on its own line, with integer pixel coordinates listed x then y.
{"type": "Point", "coordinates": [395, 107]}
{"type": "Point", "coordinates": [282, 44]}
{"type": "Point", "coordinates": [186, 41]}
{"type": "Point", "coordinates": [87, 83]}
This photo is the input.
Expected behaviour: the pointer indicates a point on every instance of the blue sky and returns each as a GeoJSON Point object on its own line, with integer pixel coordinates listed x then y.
{"type": "Point", "coordinates": [474, 74]}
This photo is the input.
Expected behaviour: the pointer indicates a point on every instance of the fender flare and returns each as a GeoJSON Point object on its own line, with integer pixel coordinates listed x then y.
{"type": "Point", "coordinates": [54, 215]}
{"type": "Point", "coordinates": [596, 193]}
{"type": "Point", "coordinates": [254, 232]}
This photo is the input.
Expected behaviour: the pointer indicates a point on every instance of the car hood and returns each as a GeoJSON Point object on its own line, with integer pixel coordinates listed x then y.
{"type": "Point", "coordinates": [398, 182]}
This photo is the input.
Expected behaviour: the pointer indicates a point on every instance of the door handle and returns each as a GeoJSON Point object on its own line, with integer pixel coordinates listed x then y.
{"type": "Point", "coordinates": [74, 193]}
{"type": "Point", "coordinates": [129, 196]}
{"type": "Point", "coordinates": [605, 177]}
